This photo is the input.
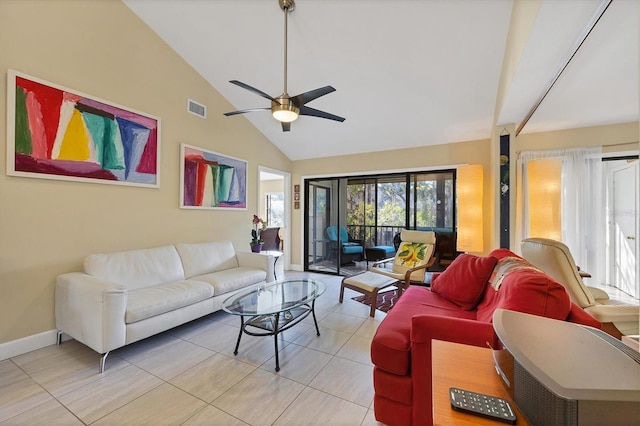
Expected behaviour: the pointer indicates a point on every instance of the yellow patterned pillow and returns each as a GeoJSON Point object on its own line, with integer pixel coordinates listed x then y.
{"type": "Point", "coordinates": [411, 255]}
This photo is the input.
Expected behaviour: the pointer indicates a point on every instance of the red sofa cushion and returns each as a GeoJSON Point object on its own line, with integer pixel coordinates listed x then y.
{"type": "Point", "coordinates": [463, 282]}
{"type": "Point", "coordinates": [391, 345]}
{"type": "Point", "coordinates": [519, 286]}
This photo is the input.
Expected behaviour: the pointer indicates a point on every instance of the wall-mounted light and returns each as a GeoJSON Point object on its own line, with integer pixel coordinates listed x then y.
{"type": "Point", "coordinates": [469, 190]}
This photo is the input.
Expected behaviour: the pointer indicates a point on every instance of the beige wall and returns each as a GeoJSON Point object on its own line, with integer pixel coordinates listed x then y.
{"type": "Point", "coordinates": [612, 138]}
{"type": "Point", "coordinates": [46, 227]}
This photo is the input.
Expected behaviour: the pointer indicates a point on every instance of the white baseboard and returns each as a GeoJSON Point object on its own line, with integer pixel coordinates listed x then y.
{"type": "Point", "coordinates": [27, 344]}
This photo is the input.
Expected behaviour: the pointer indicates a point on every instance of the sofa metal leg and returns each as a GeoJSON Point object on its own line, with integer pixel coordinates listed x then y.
{"type": "Point", "coordinates": [103, 359]}
{"type": "Point", "coordinates": [59, 338]}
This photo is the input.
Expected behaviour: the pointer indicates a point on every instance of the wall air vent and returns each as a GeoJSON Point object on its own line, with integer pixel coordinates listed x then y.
{"type": "Point", "coordinates": [196, 109]}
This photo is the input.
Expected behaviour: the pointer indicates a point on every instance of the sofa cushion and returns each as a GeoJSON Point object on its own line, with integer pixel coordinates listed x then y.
{"type": "Point", "coordinates": [233, 279]}
{"type": "Point", "coordinates": [137, 268]}
{"type": "Point", "coordinates": [391, 345]}
{"type": "Point", "coordinates": [204, 258]}
{"type": "Point", "coordinates": [517, 285]}
{"type": "Point", "coordinates": [464, 281]}
{"type": "Point", "coordinates": [151, 301]}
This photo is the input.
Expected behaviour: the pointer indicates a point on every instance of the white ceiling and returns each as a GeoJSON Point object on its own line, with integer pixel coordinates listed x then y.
{"type": "Point", "coordinates": [407, 73]}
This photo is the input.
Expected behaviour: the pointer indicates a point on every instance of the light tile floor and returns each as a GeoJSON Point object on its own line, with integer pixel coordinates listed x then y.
{"type": "Point", "coordinates": [189, 375]}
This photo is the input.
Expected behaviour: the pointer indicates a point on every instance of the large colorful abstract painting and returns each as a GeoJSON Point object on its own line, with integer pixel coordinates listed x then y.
{"type": "Point", "coordinates": [209, 180]}
{"type": "Point", "coordinates": [58, 133]}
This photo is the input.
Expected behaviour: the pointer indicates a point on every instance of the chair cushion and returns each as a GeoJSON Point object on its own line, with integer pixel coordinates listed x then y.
{"type": "Point", "coordinates": [427, 237]}
{"type": "Point", "coordinates": [387, 250]}
{"type": "Point", "coordinates": [464, 281]}
{"type": "Point", "coordinates": [151, 301]}
{"type": "Point", "coordinates": [332, 233]}
{"type": "Point", "coordinates": [344, 235]}
{"type": "Point", "coordinates": [411, 255]}
{"type": "Point", "coordinates": [351, 248]}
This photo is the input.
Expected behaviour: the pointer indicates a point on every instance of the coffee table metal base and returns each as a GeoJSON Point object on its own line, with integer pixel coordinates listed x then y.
{"type": "Point", "coordinates": [274, 324]}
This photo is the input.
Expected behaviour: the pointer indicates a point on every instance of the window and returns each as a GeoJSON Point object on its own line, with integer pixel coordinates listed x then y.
{"type": "Point", "coordinates": [275, 209]}
{"type": "Point", "coordinates": [432, 203]}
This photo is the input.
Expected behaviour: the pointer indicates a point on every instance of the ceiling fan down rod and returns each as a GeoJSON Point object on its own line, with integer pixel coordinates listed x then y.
{"type": "Point", "coordinates": [287, 6]}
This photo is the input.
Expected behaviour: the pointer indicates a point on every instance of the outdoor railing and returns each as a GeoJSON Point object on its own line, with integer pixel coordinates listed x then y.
{"type": "Point", "coordinates": [382, 235]}
{"type": "Point", "coordinates": [374, 235]}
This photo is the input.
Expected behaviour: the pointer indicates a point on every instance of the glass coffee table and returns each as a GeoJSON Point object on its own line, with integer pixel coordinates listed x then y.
{"type": "Point", "coordinates": [270, 309]}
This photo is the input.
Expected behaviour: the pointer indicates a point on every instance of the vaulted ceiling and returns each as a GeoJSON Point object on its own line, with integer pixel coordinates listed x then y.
{"type": "Point", "coordinates": [411, 73]}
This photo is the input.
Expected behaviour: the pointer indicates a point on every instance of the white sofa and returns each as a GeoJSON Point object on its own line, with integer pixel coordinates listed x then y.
{"type": "Point", "coordinates": [126, 296]}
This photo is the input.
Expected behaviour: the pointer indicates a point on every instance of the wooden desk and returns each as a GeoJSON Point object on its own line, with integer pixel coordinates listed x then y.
{"type": "Point", "coordinates": [470, 368]}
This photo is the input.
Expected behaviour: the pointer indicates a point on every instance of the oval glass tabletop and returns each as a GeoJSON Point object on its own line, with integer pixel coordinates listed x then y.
{"type": "Point", "coordinates": [268, 299]}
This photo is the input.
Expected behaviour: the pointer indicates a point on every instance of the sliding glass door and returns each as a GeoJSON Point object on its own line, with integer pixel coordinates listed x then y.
{"type": "Point", "coordinates": [322, 216]}
{"type": "Point", "coordinates": [371, 211]}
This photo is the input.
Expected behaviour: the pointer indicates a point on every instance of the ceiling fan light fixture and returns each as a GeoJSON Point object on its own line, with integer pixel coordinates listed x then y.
{"type": "Point", "coordinates": [285, 115]}
{"type": "Point", "coordinates": [285, 111]}
{"type": "Point", "coordinates": [285, 108]}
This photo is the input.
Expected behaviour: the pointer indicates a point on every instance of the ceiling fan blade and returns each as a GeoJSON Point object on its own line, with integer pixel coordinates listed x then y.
{"type": "Point", "coordinates": [286, 127]}
{"type": "Point", "coordinates": [252, 89]}
{"type": "Point", "coordinates": [305, 97]}
{"type": "Point", "coordinates": [305, 110]}
{"type": "Point", "coordinates": [243, 111]}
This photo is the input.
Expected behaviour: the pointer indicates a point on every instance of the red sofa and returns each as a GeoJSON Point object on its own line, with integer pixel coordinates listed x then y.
{"type": "Point", "coordinates": [458, 308]}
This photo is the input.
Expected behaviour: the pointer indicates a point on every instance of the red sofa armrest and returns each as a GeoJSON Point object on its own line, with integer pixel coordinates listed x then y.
{"type": "Point", "coordinates": [580, 316]}
{"type": "Point", "coordinates": [424, 329]}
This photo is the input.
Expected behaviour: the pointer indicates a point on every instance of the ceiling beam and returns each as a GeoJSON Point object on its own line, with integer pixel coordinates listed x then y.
{"type": "Point", "coordinates": [602, 8]}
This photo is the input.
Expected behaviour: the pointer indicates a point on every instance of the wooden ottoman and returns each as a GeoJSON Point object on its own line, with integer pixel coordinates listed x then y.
{"type": "Point", "coordinates": [368, 283]}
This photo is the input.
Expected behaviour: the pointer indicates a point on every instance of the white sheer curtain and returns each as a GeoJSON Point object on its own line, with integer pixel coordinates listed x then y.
{"type": "Point", "coordinates": [583, 205]}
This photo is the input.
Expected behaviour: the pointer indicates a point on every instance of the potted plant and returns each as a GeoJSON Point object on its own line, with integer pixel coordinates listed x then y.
{"type": "Point", "coordinates": [256, 242]}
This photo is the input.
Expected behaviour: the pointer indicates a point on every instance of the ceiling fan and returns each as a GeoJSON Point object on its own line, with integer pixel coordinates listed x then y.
{"type": "Point", "coordinates": [287, 108]}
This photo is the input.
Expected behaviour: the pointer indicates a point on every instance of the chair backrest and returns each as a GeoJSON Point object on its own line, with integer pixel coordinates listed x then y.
{"type": "Point", "coordinates": [332, 233]}
{"type": "Point", "coordinates": [271, 238]}
{"type": "Point", "coordinates": [555, 260]}
{"type": "Point", "coordinates": [416, 248]}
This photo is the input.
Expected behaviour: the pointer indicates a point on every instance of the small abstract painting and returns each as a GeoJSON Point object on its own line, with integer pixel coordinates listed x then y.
{"type": "Point", "coordinates": [209, 180]}
{"type": "Point", "coordinates": [57, 133]}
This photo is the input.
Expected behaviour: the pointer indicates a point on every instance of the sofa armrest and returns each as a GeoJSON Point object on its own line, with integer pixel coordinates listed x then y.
{"type": "Point", "coordinates": [614, 313]}
{"type": "Point", "coordinates": [91, 310]}
{"type": "Point", "coordinates": [424, 329]}
{"type": "Point", "coordinates": [259, 261]}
